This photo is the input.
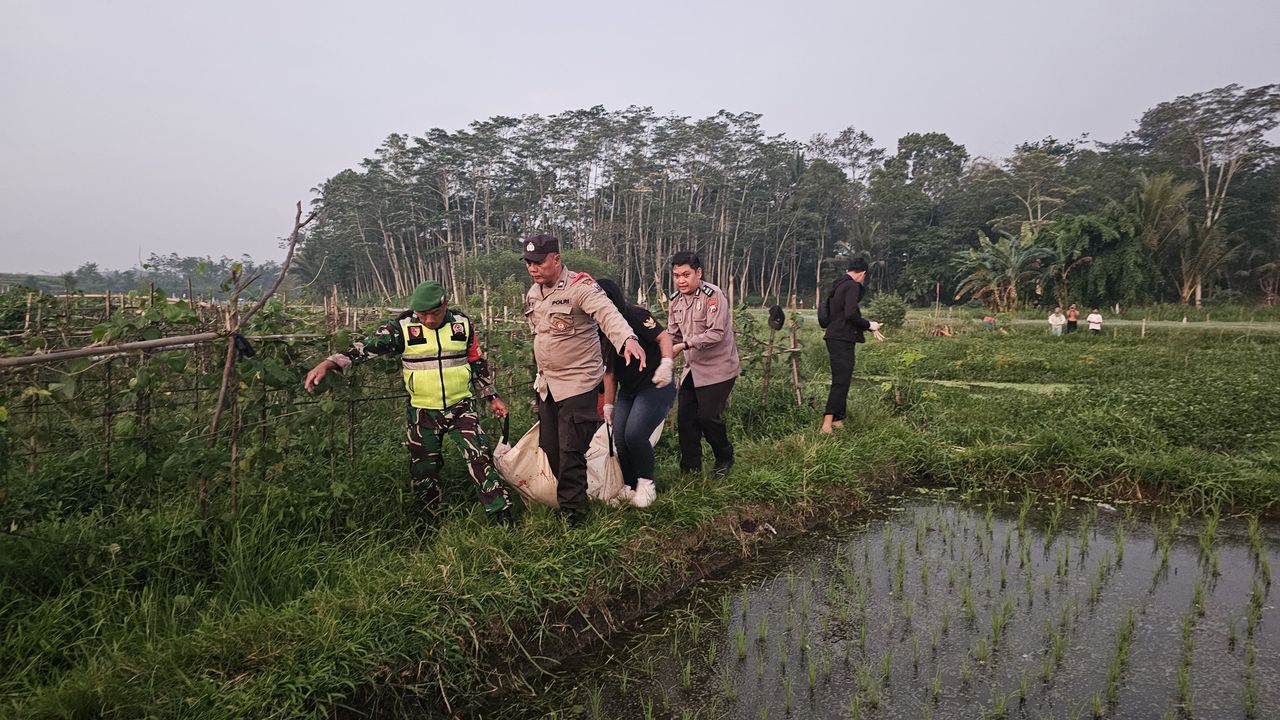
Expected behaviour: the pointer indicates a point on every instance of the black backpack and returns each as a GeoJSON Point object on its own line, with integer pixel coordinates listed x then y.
{"type": "Point", "coordinates": [824, 309]}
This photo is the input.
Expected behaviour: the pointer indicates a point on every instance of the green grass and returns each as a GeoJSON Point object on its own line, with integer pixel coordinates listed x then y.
{"type": "Point", "coordinates": [324, 587]}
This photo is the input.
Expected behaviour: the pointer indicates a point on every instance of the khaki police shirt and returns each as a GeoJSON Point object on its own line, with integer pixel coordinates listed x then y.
{"type": "Point", "coordinates": [701, 321]}
{"type": "Point", "coordinates": [564, 320]}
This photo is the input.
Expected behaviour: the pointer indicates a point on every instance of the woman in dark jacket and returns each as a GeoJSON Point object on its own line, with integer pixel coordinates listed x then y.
{"type": "Point", "coordinates": [843, 333]}
{"type": "Point", "coordinates": [637, 401]}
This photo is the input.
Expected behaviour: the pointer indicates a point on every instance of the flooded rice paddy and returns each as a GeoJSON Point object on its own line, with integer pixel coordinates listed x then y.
{"type": "Point", "coordinates": [932, 607]}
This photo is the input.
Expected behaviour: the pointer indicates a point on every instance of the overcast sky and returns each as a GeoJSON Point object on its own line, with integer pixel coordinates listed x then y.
{"type": "Point", "coordinates": [193, 127]}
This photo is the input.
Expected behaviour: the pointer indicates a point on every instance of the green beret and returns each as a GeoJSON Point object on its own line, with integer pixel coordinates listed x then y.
{"type": "Point", "coordinates": [426, 296]}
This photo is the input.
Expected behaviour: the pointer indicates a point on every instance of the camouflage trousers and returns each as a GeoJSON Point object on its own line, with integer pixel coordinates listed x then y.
{"type": "Point", "coordinates": [427, 430]}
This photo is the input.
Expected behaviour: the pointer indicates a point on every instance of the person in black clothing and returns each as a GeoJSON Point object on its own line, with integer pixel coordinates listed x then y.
{"type": "Point", "coordinates": [843, 333]}
{"type": "Point", "coordinates": [637, 401]}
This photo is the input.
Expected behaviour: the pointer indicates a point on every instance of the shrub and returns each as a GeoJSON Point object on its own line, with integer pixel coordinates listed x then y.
{"type": "Point", "coordinates": [889, 310]}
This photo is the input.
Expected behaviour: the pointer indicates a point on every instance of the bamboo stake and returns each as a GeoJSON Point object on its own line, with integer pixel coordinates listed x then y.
{"type": "Point", "coordinates": [795, 362]}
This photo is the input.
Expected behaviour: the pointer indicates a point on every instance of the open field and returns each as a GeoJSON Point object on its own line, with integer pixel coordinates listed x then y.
{"type": "Point", "coordinates": [324, 590]}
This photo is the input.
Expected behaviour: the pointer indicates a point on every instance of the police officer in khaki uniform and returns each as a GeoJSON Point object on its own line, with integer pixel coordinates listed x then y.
{"type": "Point", "coordinates": [700, 326]}
{"type": "Point", "coordinates": [566, 310]}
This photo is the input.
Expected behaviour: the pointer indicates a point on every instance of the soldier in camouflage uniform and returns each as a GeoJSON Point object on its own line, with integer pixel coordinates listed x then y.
{"type": "Point", "coordinates": [441, 363]}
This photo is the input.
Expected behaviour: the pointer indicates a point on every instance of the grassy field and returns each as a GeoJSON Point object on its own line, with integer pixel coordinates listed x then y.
{"type": "Point", "coordinates": [327, 593]}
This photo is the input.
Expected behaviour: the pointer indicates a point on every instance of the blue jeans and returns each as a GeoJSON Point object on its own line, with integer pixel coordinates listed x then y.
{"type": "Point", "coordinates": [635, 417]}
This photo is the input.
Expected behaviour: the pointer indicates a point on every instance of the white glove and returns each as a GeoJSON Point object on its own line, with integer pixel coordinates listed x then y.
{"type": "Point", "coordinates": [540, 385]}
{"type": "Point", "coordinates": [662, 376]}
{"type": "Point", "coordinates": [875, 326]}
{"type": "Point", "coordinates": [607, 411]}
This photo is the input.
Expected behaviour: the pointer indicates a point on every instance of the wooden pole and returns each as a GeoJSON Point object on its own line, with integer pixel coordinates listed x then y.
{"type": "Point", "coordinates": [795, 362]}
{"type": "Point", "coordinates": [768, 368]}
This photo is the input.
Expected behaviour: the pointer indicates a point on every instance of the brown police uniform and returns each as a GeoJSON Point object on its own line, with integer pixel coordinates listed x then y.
{"type": "Point", "coordinates": [701, 321]}
{"type": "Point", "coordinates": [566, 348]}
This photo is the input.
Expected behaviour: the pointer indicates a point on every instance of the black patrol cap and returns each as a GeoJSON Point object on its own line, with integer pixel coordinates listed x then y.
{"type": "Point", "coordinates": [538, 247]}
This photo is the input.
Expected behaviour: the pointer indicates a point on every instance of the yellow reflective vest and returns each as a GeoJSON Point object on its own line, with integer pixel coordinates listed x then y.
{"type": "Point", "coordinates": [434, 362]}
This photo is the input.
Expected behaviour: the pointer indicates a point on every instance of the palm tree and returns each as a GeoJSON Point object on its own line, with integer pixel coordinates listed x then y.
{"type": "Point", "coordinates": [997, 272]}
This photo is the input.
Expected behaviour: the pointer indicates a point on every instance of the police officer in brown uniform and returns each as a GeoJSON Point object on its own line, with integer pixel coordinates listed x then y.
{"type": "Point", "coordinates": [566, 310]}
{"type": "Point", "coordinates": [699, 325]}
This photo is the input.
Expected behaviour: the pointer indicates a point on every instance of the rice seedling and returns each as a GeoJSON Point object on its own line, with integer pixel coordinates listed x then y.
{"type": "Point", "coordinates": [966, 603]}
{"type": "Point", "coordinates": [623, 680]}
{"type": "Point", "coordinates": [1197, 598]}
{"type": "Point", "coordinates": [908, 609]}
{"type": "Point", "coordinates": [1119, 543]}
{"type": "Point", "coordinates": [1231, 633]}
{"type": "Point", "coordinates": [1207, 534]}
{"type": "Point", "coordinates": [595, 702]}
{"type": "Point", "coordinates": [1254, 530]}
{"type": "Point", "coordinates": [933, 641]}
{"type": "Point", "coordinates": [915, 654]}
{"type": "Point", "coordinates": [1097, 705]}
{"type": "Point", "coordinates": [787, 695]}
{"type": "Point", "coordinates": [1184, 687]}
{"type": "Point", "coordinates": [966, 675]}
{"type": "Point", "coordinates": [811, 672]}
{"type": "Point", "coordinates": [687, 714]}
{"type": "Point", "coordinates": [862, 637]}
{"type": "Point", "coordinates": [1114, 668]}
{"type": "Point", "coordinates": [886, 666]}
{"type": "Point", "coordinates": [791, 581]}
{"type": "Point", "coordinates": [935, 690]}
{"type": "Point", "coordinates": [712, 648]}
{"type": "Point", "coordinates": [946, 619]}
{"type": "Point", "coordinates": [999, 705]}
{"type": "Point", "coordinates": [1023, 683]}
{"type": "Point", "coordinates": [686, 675]}
{"type": "Point", "coordinates": [762, 628]}
{"type": "Point", "coordinates": [855, 707]}
{"type": "Point", "coordinates": [981, 650]}
{"type": "Point", "coordinates": [647, 707]}
{"type": "Point", "coordinates": [740, 642]}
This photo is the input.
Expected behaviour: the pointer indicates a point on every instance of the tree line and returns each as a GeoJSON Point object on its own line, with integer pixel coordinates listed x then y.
{"type": "Point", "coordinates": [1183, 207]}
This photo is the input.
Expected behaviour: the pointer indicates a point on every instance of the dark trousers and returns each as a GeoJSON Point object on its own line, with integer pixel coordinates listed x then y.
{"type": "Point", "coordinates": [565, 429]}
{"type": "Point", "coordinates": [840, 352]}
{"type": "Point", "coordinates": [701, 414]}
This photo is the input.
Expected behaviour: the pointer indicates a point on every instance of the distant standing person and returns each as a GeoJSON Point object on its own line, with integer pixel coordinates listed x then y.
{"type": "Point", "coordinates": [700, 327]}
{"type": "Point", "coordinates": [441, 364]}
{"type": "Point", "coordinates": [1056, 321]}
{"type": "Point", "coordinates": [1095, 322]}
{"type": "Point", "coordinates": [637, 400]}
{"type": "Point", "coordinates": [1073, 318]}
{"type": "Point", "coordinates": [843, 333]}
{"type": "Point", "coordinates": [566, 310]}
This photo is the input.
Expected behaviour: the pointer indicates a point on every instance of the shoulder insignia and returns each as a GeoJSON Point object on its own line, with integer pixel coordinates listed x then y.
{"type": "Point", "coordinates": [674, 294]}
{"type": "Point", "coordinates": [560, 285]}
{"type": "Point", "coordinates": [706, 290]}
{"type": "Point", "coordinates": [583, 277]}
{"type": "Point", "coordinates": [650, 323]}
